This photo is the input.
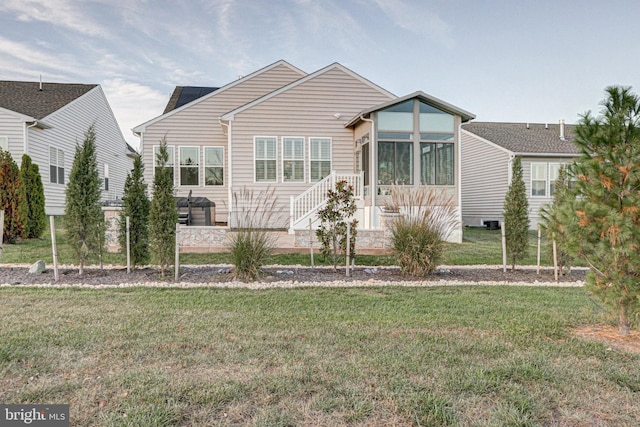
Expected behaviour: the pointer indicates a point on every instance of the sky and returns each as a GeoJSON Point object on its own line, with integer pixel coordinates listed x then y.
{"type": "Point", "coordinates": [502, 60]}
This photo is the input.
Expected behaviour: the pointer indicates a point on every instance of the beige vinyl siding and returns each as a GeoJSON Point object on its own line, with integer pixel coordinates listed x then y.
{"type": "Point", "coordinates": [198, 125]}
{"type": "Point", "coordinates": [308, 110]}
{"type": "Point", "coordinates": [12, 127]}
{"type": "Point", "coordinates": [485, 179]}
{"type": "Point", "coordinates": [537, 202]}
{"type": "Point", "coordinates": [68, 126]}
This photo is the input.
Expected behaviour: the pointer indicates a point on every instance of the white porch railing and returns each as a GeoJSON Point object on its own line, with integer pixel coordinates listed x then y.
{"type": "Point", "coordinates": [315, 197]}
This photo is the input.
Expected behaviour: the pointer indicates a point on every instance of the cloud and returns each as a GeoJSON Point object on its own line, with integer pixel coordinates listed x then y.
{"type": "Point", "coordinates": [133, 104]}
{"type": "Point", "coordinates": [415, 17]}
{"type": "Point", "coordinates": [36, 59]}
{"type": "Point", "coordinates": [61, 13]}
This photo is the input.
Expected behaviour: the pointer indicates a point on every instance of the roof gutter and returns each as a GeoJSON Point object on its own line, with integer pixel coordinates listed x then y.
{"type": "Point", "coordinates": [546, 154]}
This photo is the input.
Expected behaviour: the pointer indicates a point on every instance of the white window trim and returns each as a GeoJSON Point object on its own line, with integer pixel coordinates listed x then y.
{"type": "Point", "coordinates": [153, 155]}
{"type": "Point", "coordinates": [57, 165]}
{"type": "Point", "coordinates": [195, 167]}
{"type": "Point", "coordinates": [255, 141]}
{"type": "Point", "coordinates": [304, 163]}
{"type": "Point", "coordinates": [105, 178]}
{"type": "Point", "coordinates": [204, 166]}
{"type": "Point", "coordinates": [548, 180]}
{"type": "Point", "coordinates": [320, 160]}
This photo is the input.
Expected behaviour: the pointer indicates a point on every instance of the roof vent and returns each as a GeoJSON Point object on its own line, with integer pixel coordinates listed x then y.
{"type": "Point", "coordinates": [546, 125]}
{"type": "Point", "coordinates": [562, 137]}
{"type": "Point", "coordinates": [527, 125]}
{"type": "Point", "coordinates": [40, 87]}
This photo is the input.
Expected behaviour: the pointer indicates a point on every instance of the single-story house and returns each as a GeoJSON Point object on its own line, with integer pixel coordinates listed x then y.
{"type": "Point", "coordinates": [47, 120]}
{"type": "Point", "coordinates": [488, 150]}
{"type": "Point", "coordinates": [281, 128]}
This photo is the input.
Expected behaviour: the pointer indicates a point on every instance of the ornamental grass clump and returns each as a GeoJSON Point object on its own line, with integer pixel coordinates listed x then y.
{"type": "Point", "coordinates": [251, 244]}
{"type": "Point", "coordinates": [425, 218]}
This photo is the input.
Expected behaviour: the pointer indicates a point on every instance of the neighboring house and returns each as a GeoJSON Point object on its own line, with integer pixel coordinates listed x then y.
{"type": "Point", "coordinates": [297, 133]}
{"type": "Point", "coordinates": [47, 120]}
{"type": "Point", "coordinates": [488, 150]}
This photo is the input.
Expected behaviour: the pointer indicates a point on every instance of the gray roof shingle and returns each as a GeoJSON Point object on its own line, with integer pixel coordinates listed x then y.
{"type": "Point", "coordinates": [26, 98]}
{"type": "Point", "coordinates": [517, 137]}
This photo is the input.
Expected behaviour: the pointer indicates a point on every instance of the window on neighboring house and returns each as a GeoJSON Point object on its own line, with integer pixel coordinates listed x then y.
{"type": "Point", "coordinates": [539, 179]}
{"type": "Point", "coordinates": [4, 143]}
{"type": "Point", "coordinates": [395, 163]}
{"type": "Point", "coordinates": [170, 161]}
{"type": "Point", "coordinates": [189, 166]}
{"type": "Point", "coordinates": [106, 177]}
{"type": "Point", "coordinates": [56, 166]}
{"type": "Point", "coordinates": [265, 158]}
{"type": "Point", "coordinates": [292, 159]}
{"type": "Point", "coordinates": [213, 166]}
{"type": "Point", "coordinates": [554, 171]}
{"type": "Point", "coordinates": [319, 158]}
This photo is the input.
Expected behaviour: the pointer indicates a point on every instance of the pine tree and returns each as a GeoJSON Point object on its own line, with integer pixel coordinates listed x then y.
{"type": "Point", "coordinates": [516, 216]}
{"type": "Point", "coordinates": [552, 217]}
{"type": "Point", "coordinates": [83, 217]}
{"type": "Point", "coordinates": [163, 213]}
{"type": "Point", "coordinates": [136, 207]}
{"type": "Point", "coordinates": [12, 198]}
{"type": "Point", "coordinates": [604, 221]}
{"type": "Point", "coordinates": [34, 194]}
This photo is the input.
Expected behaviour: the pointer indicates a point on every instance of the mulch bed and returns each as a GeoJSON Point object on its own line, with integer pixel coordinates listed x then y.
{"type": "Point", "coordinates": [223, 274]}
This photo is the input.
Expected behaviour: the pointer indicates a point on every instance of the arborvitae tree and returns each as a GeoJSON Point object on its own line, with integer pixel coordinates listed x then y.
{"type": "Point", "coordinates": [604, 222]}
{"type": "Point", "coordinates": [83, 217]}
{"type": "Point", "coordinates": [163, 214]}
{"type": "Point", "coordinates": [11, 198]}
{"type": "Point", "coordinates": [34, 194]}
{"type": "Point", "coordinates": [332, 232]}
{"type": "Point", "coordinates": [516, 216]}
{"type": "Point", "coordinates": [552, 221]}
{"type": "Point", "coordinates": [136, 207]}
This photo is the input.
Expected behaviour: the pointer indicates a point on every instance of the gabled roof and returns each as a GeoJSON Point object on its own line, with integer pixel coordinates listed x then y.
{"type": "Point", "coordinates": [335, 65]}
{"type": "Point", "coordinates": [141, 127]}
{"type": "Point", "coordinates": [526, 138]}
{"type": "Point", "coordinates": [27, 98]}
{"type": "Point", "coordinates": [183, 95]}
{"type": "Point", "coordinates": [431, 100]}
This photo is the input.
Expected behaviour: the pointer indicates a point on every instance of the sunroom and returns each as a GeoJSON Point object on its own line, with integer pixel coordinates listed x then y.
{"type": "Point", "coordinates": [409, 142]}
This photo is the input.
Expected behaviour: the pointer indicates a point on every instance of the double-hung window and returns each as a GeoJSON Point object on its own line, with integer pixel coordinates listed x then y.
{"type": "Point", "coordinates": [319, 158]}
{"type": "Point", "coordinates": [56, 166]}
{"type": "Point", "coordinates": [213, 166]}
{"type": "Point", "coordinates": [539, 179]}
{"type": "Point", "coordinates": [189, 166]}
{"type": "Point", "coordinates": [292, 159]}
{"type": "Point", "coordinates": [170, 161]}
{"type": "Point", "coordinates": [265, 158]}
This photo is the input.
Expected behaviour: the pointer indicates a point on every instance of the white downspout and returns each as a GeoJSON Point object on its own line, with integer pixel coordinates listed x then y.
{"type": "Point", "coordinates": [229, 172]}
{"type": "Point", "coordinates": [373, 170]}
{"type": "Point", "coordinates": [26, 136]}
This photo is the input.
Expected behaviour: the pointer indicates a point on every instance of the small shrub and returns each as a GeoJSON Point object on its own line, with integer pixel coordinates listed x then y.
{"type": "Point", "coordinates": [425, 219]}
{"type": "Point", "coordinates": [332, 233]}
{"type": "Point", "coordinates": [251, 244]}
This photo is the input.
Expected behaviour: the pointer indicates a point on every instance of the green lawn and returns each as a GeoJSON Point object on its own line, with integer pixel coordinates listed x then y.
{"type": "Point", "coordinates": [464, 356]}
{"type": "Point", "coordinates": [479, 246]}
